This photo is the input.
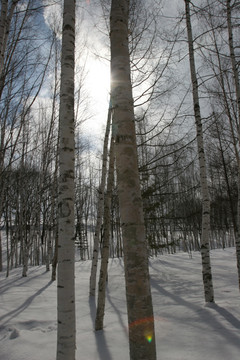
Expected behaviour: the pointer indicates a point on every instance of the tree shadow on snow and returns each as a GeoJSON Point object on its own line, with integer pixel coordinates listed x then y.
{"type": "Point", "coordinates": [117, 311]}
{"type": "Point", "coordinates": [205, 314]}
{"type": "Point", "coordinates": [13, 313]}
{"type": "Point", "coordinates": [102, 348]}
{"type": "Point", "coordinates": [226, 315]}
{"type": "Point", "coordinates": [17, 281]}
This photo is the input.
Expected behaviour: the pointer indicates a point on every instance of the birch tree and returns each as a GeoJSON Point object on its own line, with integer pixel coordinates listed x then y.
{"type": "Point", "coordinates": [220, 58]}
{"type": "Point", "coordinates": [205, 252]}
{"type": "Point", "coordinates": [23, 67]}
{"type": "Point", "coordinates": [237, 90]}
{"type": "Point", "coordinates": [6, 15]}
{"type": "Point", "coordinates": [66, 341]}
{"type": "Point", "coordinates": [105, 243]}
{"type": "Point", "coordinates": [100, 206]}
{"type": "Point", "coordinates": [138, 293]}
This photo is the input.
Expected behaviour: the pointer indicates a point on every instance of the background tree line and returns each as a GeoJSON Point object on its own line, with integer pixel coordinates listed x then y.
{"type": "Point", "coordinates": [170, 180]}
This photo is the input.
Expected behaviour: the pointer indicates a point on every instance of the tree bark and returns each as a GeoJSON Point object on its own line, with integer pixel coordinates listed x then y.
{"type": "Point", "coordinates": [100, 207]}
{"type": "Point", "coordinates": [66, 333]}
{"type": "Point", "coordinates": [237, 89]}
{"type": "Point", "coordinates": [1, 259]}
{"type": "Point", "coordinates": [205, 252]}
{"type": "Point", "coordinates": [105, 243]}
{"type": "Point", "coordinates": [138, 293]}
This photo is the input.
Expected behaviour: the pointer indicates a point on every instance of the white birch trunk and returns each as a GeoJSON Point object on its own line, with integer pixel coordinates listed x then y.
{"type": "Point", "coordinates": [205, 252]}
{"type": "Point", "coordinates": [138, 293]}
{"type": "Point", "coordinates": [66, 333]}
{"type": "Point", "coordinates": [237, 89]}
{"type": "Point", "coordinates": [55, 225]}
{"type": "Point", "coordinates": [100, 207]}
{"type": "Point", "coordinates": [105, 244]}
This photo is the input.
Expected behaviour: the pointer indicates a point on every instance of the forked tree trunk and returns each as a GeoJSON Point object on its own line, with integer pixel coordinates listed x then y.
{"type": "Point", "coordinates": [100, 207]}
{"type": "Point", "coordinates": [66, 333]}
{"type": "Point", "coordinates": [205, 251]}
{"type": "Point", "coordinates": [105, 243]}
{"type": "Point", "coordinates": [138, 293]}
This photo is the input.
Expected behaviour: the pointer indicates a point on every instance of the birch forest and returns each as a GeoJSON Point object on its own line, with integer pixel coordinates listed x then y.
{"type": "Point", "coordinates": [119, 138]}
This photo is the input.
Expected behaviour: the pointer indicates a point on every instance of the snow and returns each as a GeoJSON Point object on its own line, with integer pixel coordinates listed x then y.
{"type": "Point", "coordinates": [185, 327]}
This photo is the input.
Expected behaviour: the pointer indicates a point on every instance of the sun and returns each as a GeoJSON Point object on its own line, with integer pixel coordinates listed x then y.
{"type": "Point", "coordinates": [97, 85]}
{"type": "Point", "coordinates": [98, 81]}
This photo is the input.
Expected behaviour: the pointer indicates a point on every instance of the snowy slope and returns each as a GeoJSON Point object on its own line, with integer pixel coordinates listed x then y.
{"type": "Point", "coordinates": [185, 328]}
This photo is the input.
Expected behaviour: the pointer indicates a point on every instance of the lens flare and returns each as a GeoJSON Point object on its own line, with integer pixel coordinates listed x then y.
{"type": "Point", "coordinates": [149, 338]}
{"type": "Point", "coordinates": [144, 323]}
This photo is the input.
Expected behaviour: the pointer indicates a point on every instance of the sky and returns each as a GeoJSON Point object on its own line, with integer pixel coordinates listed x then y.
{"type": "Point", "coordinates": [185, 328]}
{"type": "Point", "coordinates": [92, 60]}
{"type": "Point", "coordinates": [92, 69]}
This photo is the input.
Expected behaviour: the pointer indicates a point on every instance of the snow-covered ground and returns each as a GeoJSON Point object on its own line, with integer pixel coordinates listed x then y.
{"type": "Point", "coordinates": [186, 329]}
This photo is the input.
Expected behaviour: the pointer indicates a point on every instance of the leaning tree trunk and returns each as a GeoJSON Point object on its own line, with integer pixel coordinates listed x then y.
{"type": "Point", "coordinates": [138, 293]}
{"type": "Point", "coordinates": [237, 89]}
{"type": "Point", "coordinates": [105, 244]}
{"type": "Point", "coordinates": [93, 275]}
{"type": "Point", "coordinates": [66, 333]}
{"type": "Point", "coordinates": [205, 252]}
